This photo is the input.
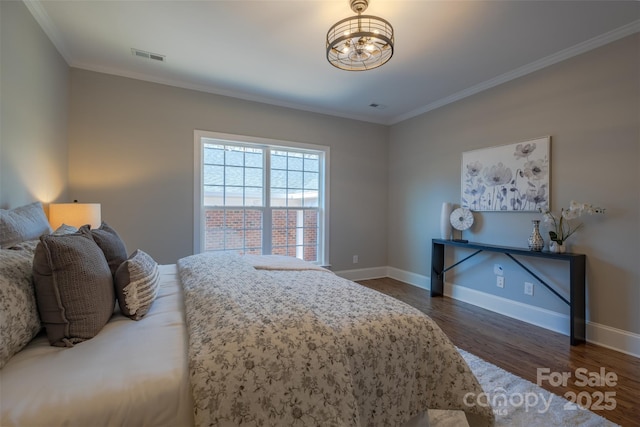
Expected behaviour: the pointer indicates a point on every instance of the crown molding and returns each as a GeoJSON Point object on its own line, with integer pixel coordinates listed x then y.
{"type": "Point", "coordinates": [42, 18]}
{"type": "Point", "coordinates": [580, 48]}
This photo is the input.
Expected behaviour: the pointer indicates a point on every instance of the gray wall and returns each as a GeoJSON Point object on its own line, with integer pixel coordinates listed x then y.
{"type": "Point", "coordinates": [131, 149]}
{"type": "Point", "coordinates": [590, 105]}
{"type": "Point", "coordinates": [34, 108]}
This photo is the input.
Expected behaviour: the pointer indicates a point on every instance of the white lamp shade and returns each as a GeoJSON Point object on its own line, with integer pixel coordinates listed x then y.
{"type": "Point", "coordinates": [74, 214]}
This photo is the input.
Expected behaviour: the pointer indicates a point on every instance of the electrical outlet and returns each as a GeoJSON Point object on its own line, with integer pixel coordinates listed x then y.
{"type": "Point", "coordinates": [500, 281]}
{"type": "Point", "coordinates": [528, 288]}
{"type": "Point", "coordinates": [355, 259]}
{"type": "Point", "coordinates": [498, 270]}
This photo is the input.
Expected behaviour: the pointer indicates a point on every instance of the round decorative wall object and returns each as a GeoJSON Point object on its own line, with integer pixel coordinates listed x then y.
{"type": "Point", "coordinates": [461, 218]}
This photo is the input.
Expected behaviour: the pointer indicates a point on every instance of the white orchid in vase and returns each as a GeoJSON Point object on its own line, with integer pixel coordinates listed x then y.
{"type": "Point", "coordinates": [563, 225]}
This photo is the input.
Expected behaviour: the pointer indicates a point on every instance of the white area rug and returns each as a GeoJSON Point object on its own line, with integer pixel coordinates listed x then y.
{"type": "Point", "coordinates": [521, 403]}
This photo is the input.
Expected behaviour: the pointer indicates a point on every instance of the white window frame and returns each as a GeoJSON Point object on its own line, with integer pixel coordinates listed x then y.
{"type": "Point", "coordinates": [198, 179]}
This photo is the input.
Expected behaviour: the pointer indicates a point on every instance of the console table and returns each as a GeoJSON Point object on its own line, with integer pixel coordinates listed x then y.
{"type": "Point", "coordinates": [577, 276]}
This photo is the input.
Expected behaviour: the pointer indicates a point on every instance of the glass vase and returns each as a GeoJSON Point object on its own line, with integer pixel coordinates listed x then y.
{"type": "Point", "coordinates": [536, 242]}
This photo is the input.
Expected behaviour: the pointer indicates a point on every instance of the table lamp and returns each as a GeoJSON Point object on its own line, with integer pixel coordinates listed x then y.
{"type": "Point", "coordinates": [74, 214]}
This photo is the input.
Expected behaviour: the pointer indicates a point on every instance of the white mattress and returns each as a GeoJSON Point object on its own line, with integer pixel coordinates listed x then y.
{"type": "Point", "coordinates": [131, 374]}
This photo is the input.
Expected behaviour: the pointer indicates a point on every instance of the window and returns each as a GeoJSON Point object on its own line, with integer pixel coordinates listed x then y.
{"type": "Point", "coordinates": [257, 196]}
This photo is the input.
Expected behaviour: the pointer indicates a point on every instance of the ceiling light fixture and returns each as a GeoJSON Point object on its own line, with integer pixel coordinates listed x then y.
{"type": "Point", "coordinates": [361, 42]}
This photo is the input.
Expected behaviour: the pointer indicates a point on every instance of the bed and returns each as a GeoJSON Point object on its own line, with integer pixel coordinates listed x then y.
{"type": "Point", "coordinates": [243, 340]}
{"type": "Point", "coordinates": [130, 374]}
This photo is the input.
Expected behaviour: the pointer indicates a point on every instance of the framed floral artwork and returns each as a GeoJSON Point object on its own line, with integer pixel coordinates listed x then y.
{"type": "Point", "coordinates": [509, 178]}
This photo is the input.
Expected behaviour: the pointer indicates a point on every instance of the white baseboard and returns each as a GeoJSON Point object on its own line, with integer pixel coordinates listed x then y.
{"type": "Point", "coordinates": [363, 273]}
{"type": "Point", "coordinates": [557, 322]}
{"type": "Point", "coordinates": [613, 338]}
{"type": "Point", "coordinates": [606, 336]}
{"type": "Point", "coordinates": [414, 279]}
{"type": "Point", "coordinates": [554, 321]}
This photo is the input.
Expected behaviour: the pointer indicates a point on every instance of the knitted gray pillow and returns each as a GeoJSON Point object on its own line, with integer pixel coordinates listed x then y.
{"type": "Point", "coordinates": [111, 244]}
{"type": "Point", "coordinates": [74, 287]}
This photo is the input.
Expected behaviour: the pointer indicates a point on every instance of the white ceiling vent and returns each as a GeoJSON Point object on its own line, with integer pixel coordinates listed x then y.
{"type": "Point", "coordinates": [148, 55]}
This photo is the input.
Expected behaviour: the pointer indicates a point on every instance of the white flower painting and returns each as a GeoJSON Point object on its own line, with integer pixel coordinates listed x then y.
{"type": "Point", "coordinates": [512, 177]}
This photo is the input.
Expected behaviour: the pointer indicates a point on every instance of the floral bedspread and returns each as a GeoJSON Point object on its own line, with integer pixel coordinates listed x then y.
{"type": "Point", "coordinates": [308, 348]}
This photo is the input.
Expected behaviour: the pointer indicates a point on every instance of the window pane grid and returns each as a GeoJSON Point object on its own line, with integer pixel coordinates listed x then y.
{"type": "Point", "coordinates": [232, 175]}
{"type": "Point", "coordinates": [294, 179]}
{"type": "Point", "coordinates": [233, 184]}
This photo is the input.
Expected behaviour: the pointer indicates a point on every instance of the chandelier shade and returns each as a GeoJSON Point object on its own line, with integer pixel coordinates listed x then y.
{"type": "Point", "coordinates": [361, 42]}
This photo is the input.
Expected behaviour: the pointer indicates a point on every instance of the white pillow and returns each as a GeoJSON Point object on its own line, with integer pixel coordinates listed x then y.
{"type": "Point", "coordinates": [24, 223]}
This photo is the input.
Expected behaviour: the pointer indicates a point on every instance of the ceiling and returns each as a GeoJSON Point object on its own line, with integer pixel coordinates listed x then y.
{"type": "Point", "coordinates": [274, 51]}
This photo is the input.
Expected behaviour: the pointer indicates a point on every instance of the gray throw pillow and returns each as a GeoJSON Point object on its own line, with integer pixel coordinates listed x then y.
{"type": "Point", "coordinates": [111, 244]}
{"type": "Point", "coordinates": [24, 223]}
{"type": "Point", "coordinates": [74, 287]}
{"type": "Point", "coordinates": [137, 282]}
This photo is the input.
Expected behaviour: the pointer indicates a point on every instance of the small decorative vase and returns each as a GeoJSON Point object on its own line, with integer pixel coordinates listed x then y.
{"type": "Point", "coordinates": [445, 222]}
{"type": "Point", "coordinates": [536, 242]}
{"type": "Point", "coordinates": [556, 247]}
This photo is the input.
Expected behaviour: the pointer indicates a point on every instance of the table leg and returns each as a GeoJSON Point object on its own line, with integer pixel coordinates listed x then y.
{"type": "Point", "coordinates": [578, 301]}
{"type": "Point", "coordinates": [437, 267]}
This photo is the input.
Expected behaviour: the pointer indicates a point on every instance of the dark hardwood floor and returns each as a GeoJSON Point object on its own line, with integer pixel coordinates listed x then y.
{"type": "Point", "coordinates": [521, 349]}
